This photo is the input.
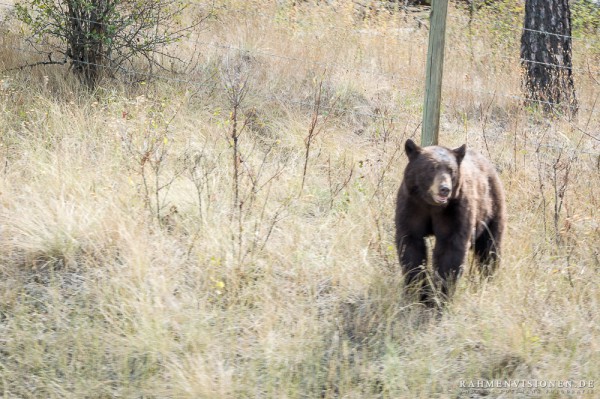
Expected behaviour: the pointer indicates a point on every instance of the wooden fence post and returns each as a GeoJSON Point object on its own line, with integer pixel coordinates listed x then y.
{"type": "Point", "coordinates": [435, 69]}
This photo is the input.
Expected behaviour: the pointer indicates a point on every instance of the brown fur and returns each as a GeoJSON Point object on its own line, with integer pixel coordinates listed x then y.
{"type": "Point", "coordinates": [468, 210]}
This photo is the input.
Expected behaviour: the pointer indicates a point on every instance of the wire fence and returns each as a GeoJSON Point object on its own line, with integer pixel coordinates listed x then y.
{"type": "Point", "coordinates": [361, 111]}
{"type": "Point", "coordinates": [500, 24]}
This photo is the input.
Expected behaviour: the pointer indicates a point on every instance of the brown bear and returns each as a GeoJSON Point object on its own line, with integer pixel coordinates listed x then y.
{"type": "Point", "coordinates": [456, 196]}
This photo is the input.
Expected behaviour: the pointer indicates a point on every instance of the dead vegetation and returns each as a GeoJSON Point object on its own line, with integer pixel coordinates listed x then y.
{"type": "Point", "coordinates": [229, 233]}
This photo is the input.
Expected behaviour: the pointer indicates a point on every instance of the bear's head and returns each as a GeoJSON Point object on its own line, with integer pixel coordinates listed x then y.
{"type": "Point", "coordinates": [432, 173]}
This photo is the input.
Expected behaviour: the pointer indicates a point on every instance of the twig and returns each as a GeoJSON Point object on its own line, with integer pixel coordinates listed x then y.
{"type": "Point", "coordinates": [49, 62]}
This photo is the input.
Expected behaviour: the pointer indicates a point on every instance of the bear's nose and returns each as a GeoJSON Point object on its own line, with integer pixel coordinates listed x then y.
{"type": "Point", "coordinates": [444, 190]}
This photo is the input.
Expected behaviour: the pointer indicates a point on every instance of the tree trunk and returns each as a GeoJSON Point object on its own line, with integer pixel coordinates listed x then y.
{"type": "Point", "coordinates": [546, 55]}
{"type": "Point", "coordinates": [87, 35]}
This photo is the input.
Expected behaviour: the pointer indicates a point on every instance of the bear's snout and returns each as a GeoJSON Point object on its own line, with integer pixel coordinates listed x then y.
{"type": "Point", "coordinates": [444, 190]}
{"type": "Point", "coordinates": [440, 190]}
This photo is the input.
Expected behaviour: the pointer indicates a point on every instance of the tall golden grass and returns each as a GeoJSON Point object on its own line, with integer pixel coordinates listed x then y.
{"type": "Point", "coordinates": [129, 270]}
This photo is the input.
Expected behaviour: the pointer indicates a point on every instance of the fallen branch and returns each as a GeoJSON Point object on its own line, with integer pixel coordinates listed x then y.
{"type": "Point", "coordinates": [49, 62]}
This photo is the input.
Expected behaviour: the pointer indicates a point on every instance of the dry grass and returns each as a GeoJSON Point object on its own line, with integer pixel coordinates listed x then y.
{"type": "Point", "coordinates": [111, 287]}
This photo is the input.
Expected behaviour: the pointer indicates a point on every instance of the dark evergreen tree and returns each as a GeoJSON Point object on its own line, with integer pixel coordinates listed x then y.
{"type": "Point", "coordinates": [546, 55]}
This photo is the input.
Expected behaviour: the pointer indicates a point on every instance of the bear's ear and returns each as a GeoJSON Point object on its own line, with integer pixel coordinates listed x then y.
{"type": "Point", "coordinates": [412, 149]}
{"type": "Point", "coordinates": [460, 152]}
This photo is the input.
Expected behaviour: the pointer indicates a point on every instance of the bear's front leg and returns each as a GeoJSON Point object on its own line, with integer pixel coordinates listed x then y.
{"type": "Point", "coordinates": [449, 255]}
{"type": "Point", "coordinates": [413, 257]}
